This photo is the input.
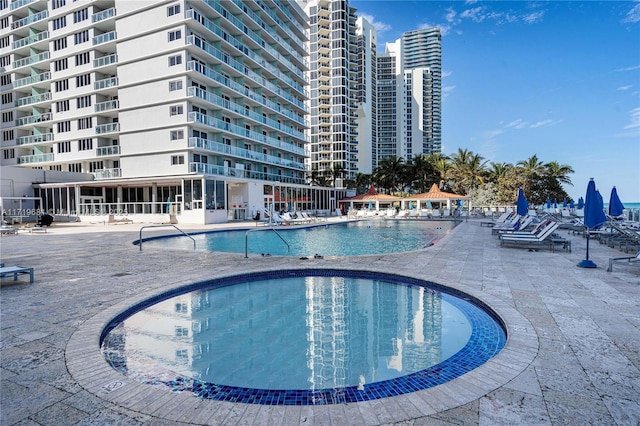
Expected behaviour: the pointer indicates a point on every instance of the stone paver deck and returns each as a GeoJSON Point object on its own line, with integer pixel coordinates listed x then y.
{"type": "Point", "coordinates": [573, 354]}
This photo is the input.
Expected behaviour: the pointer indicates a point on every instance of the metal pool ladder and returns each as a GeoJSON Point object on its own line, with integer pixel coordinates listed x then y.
{"type": "Point", "coordinates": [246, 239]}
{"type": "Point", "coordinates": [161, 226]}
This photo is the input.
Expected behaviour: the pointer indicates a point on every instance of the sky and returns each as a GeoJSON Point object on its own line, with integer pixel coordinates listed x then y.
{"type": "Point", "coordinates": [556, 79]}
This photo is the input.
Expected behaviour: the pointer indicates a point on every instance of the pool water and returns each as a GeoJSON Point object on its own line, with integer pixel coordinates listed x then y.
{"type": "Point", "coordinates": [343, 239]}
{"type": "Point", "coordinates": [257, 339]}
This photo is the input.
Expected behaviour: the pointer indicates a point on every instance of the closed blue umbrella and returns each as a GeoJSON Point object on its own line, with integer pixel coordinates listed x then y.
{"type": "Point", "coordinates": [580, 203]}
{"type": "Point", "coordinates": [572, 204]}
{"type": "Point", "coordinates": [555, 203]}
{"type": "Point", "coordinates": [522, 207]}
{"type": "Point", "coordinates": [168, 205]}
{"type": "Point", "coordinates": [429, 204]}
{"type": "Point", "coordinates": [564, 203]}
{"type": "Point", "coordinates": [370, 205]}
{"type": "Point", "coordinates": [615, 205]}
{"type": "Point", "coordinates": [548, 202]}
{"type": "Point", "coordinates": [594, 217]}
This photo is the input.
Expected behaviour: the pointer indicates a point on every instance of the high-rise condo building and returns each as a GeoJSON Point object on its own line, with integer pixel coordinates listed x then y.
{"type": "Point", "coordinates": [409, 79]}
{"type": "Point", "coordinates": [333, 77]}
{"type": "Point", "coordinates": [366, 99]}
{"type": "Point", "coordinates": [196, 105]}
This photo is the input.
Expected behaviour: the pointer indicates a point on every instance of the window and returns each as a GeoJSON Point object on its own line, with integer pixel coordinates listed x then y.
{"type": "Point", "coordinates": [175, 35]}
{"type": "Point", "coordinates": [7, 98]}
{"type": "Point", "coordinates": [60, 44]}
{"type": "Point", "coordinates": [60, 22]}
{"type": "Point", "coordinates": [64, 126]}
{"type": "Point", "coordinates": [95, 165]}
{"type": "Point", "coordinates": [5, 79]}
{"type": "Point", "coordinates": [176, 110]}
{"type": "Point", "coordinates": [81, 37]}
{"type": "Point", "coordinates": [177, 159]}
{"type": "Point", "coordinates": [175, 85]}
{"type": "Point", "coordinates": [9, 154]}
{"type": "Point", "coordinates": [57, 3]}
{"type": "Point", "coordinates": [61, 85]}
{"type": "Point", "coordinates": [75, 167]}
{"type": "Point", "coordinates": [177, 134]}
{"type": "Point", "coordinates": [7, 116]}
{"type": "Point", "coordinates": [173, 10]}
{"type": "Point", "coordinates": [80, 15]}
{"type": "Point", "coordinates": [62, 106]}
{"type": "Point", "coordinates": [85, 144]}
{"type": "Point", "coordinates": [61, 64]}
{"type": "Point", "coordinates": [175, 60]}
{"type": "Point", "coordinates": [83, 80]}
{"type": "Point", "coordinates": [64, 147]}
{"type": "Point", "coordinates": [82, 58]}
{"type": "Point", "coordinates": [7, 135]}
{"type": "Point", "coordinates": [4, 22]}
{"type": "Point", "coordinates": [4, 42]}
{"type": "Point", "coordinates": [84, 123]}
{"type": "Point", "coordinates": [83, 101]}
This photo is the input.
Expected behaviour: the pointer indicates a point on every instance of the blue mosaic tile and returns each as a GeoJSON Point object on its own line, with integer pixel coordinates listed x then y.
{"type": "Point", "coordinates": [487, 339]}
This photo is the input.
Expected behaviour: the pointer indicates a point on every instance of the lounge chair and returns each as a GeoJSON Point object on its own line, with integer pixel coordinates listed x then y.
{"type": "Point", "coordinates": [15, 271]}
{"type": "Point", "coordinates": [544, 239]}
{"type": "Point", "coordinates": [629, 260]}
{"type": "Point", "coordinates": [501, 219]}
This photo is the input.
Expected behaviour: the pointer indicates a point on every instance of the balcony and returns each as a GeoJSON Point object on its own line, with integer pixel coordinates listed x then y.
{"type": "Point", "coordinates": [28, 100]}
{"type": "Point", "coordinates": [105, 83]}
{"type": "Point", "coordinates": [104, 38]}
{"type": "Point", "coordinates": [18, 4]}
{"type": "Point", "coordinates": [105, 14]}
{"type": "Point", "coordinates": [26, 140]}
{"type": "Point", "coordinates": [38, 158]}
{"type": "Point", "coordinates": [36, 118]}
{"type": "Point", "coordinates": [30, 40]}
{"type": "Point", "coordinates": [107, 128]}
{"type": "Point", "coordinates": [108, 151]}
{"type": "Point", "coordinates": [30, 60]}
{"type": "Point", "coordinates": [108, 173]}
{"type": "Point", "coordinates": [32, 79]}
{"type": "Point", "coordinates": [30, 20]}
{"type": "Point", "coordinates": [105, 60]}
{"type": "Point", "coordinates": [107, 106]}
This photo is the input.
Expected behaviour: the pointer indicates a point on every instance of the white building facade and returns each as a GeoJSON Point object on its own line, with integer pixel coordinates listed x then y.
{"type": "Point", "coordinates": [195, 105]}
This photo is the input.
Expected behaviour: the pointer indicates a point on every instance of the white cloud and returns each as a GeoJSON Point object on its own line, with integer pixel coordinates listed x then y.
{"type": "Point", "coordinates": [545, 123]}
{"type": "Point", "coordinates": [635, 119]}
{"type": "Point", "coordinates": [379, 26]}
{"type": "Point", "coordinates": [517, 124]}
{"type": "Point", "coordinates": [532, 18]}
{"type": "Point", "coordinates": [632, 68]}
{"type": "Point", "coordinates": [624, 87]}
{"type": "Point", "coordinates": [633, 15]}
{"type": "Point", "coordinates": [446, 74]}
{"type": "Point", "coordinates": [476, 14]}
{"type": "Point", "coordinates": [450, 16]}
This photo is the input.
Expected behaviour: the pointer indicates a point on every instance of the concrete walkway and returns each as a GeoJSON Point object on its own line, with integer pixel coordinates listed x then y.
{"type": "Point", "coordinates": [573, 355]}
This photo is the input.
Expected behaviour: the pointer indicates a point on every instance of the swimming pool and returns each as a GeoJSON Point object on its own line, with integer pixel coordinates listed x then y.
{"type": "Point", "coordinates": [303, 337]}
{"type": "Point", "coordinates": [342, 239]}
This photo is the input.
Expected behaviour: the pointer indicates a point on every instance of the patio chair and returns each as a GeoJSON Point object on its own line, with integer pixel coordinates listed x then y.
{"type": "Point", "coordinates": [628, 260]}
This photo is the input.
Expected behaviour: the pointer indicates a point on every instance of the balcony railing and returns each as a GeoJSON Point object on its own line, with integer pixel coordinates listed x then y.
{"type": "Point", "coordinates": [105, 60]}
{"type": "Point", "coordinates": [105, 151]}
{"type": "Point", "coordinates": [105, 83]}
{"type": "Point", "coordinates": [107, 106]}
{"type": "Point", "coordinates": [30, 19]}
{"type": "Point", "coordinates": [108, 173]}
{"type": "Point", "coordinates": [31, 60]}
{"type": "Point", "coordinates": [36, 118]}
{"type": "Point", "coordinates": [32, 79]}
{"type": "Point", "coordinates": [212, 169]}
{"type": "Point", "coordinates": [38, 158]}
{"type": "Point", "coordinates": [107, 128]}
{"type": "Point", "coordinates": [105, 14]}
{"type": "Point", "coordinates": [104, 38]}
{"type": "Point", "coordinates": [25, 140]}
{"type": "Point", "coordinates": [29, 40]}
{"type": "Point", "coordinates": [28, 100]}
{"type": "Point", "coordinates": [17, 4]}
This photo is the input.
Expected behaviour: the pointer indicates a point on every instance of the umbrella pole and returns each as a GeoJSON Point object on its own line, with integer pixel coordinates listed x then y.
{"type": "Point", "coordinates": [586, 263]}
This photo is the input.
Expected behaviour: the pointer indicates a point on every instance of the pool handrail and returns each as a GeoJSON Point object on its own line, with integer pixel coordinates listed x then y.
{"type": "Point", "coordinates": [246, 240]}
{"type": "Point", "coordinates": [165, 225]}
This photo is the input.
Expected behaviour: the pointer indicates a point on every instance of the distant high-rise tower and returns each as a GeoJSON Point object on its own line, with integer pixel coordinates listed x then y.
{"type": "Point", "coordinates": [366, 97]}
{"type": "Point", "coordinates": [334, 79]}
{"type": "Point", "coordinates": [409, 95]}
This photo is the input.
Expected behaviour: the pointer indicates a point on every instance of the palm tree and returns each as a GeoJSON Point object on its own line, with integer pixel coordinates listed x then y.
{"type": "Point", "coordinates": [390, 173]}
{"type": "Point", "coordinates": [336, 172]}
{"type": "Point", "coordinates": [420, 173]}
{"type": "Point", "coordinates": [498, 170]}
{"type": "Point", "coordinates": [532, 168]}
{"type": "Point", "coordinates": [442, 165]}
{"type": "Point", "coordinates": [468, 170]}
{"type": "Point", "coordinates": [559, 172]}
